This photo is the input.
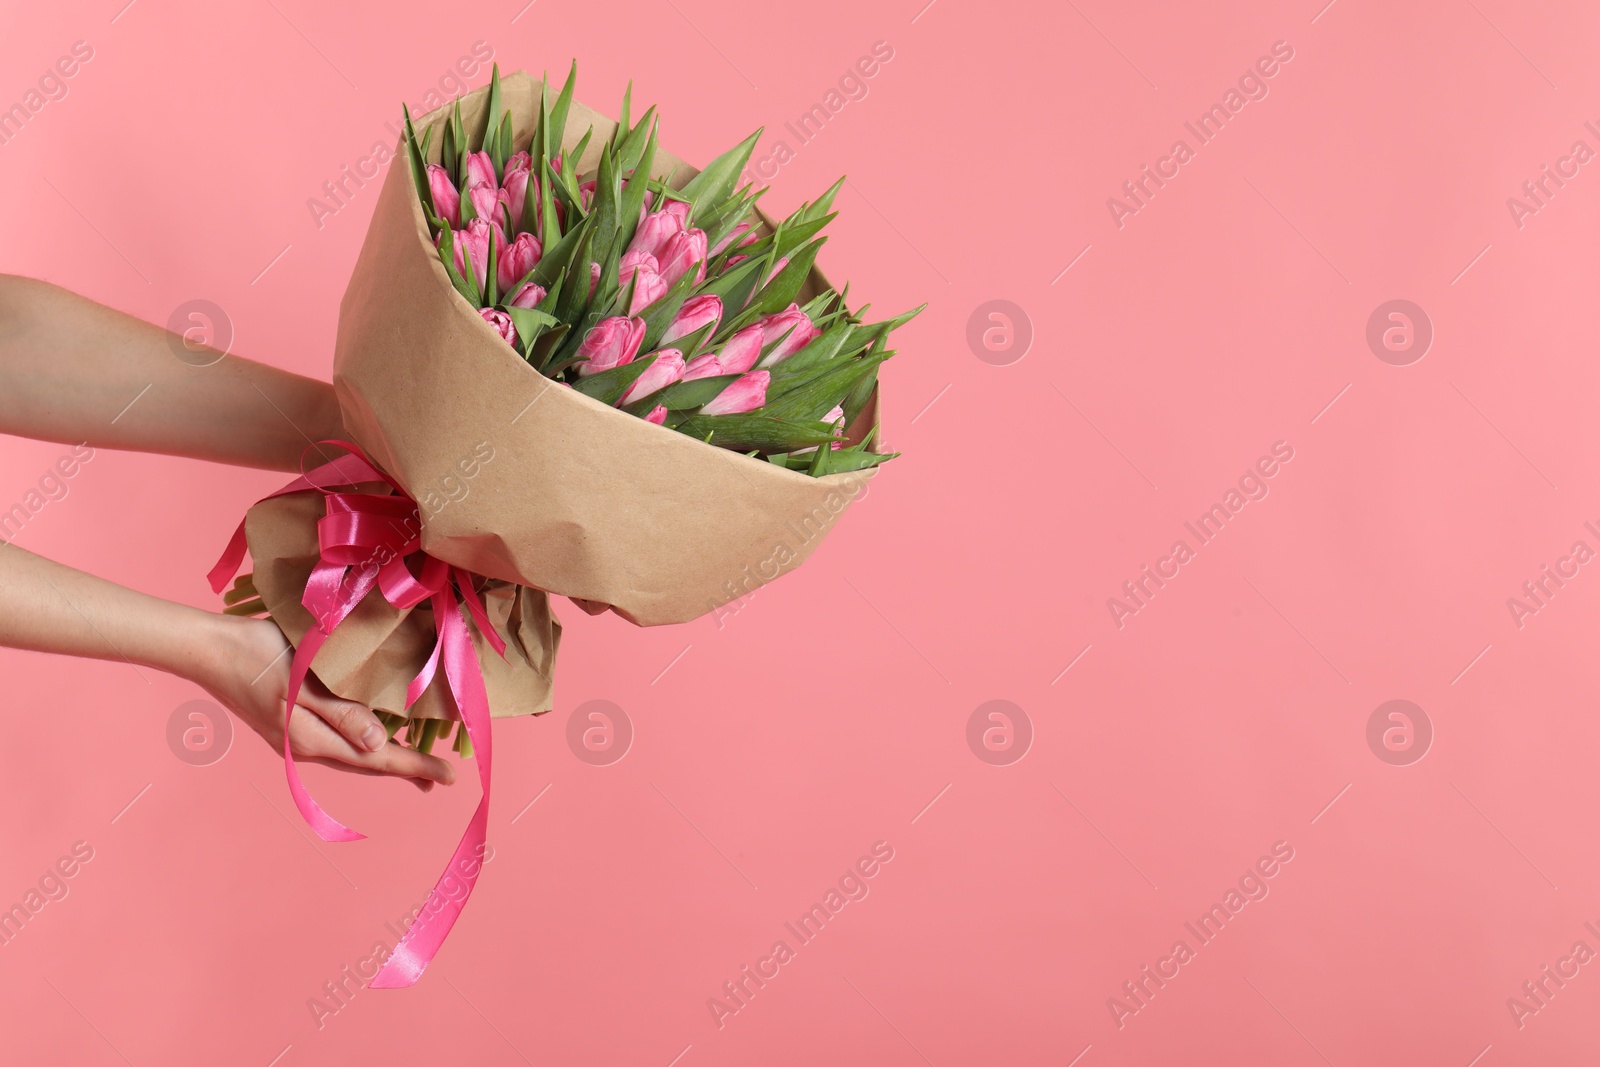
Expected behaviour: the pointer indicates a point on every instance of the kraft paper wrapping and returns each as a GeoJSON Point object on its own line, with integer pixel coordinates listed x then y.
{"type": "Point", "coordinates": [373, 655]}
{"type": "Point", "coordinates": [581, 500]}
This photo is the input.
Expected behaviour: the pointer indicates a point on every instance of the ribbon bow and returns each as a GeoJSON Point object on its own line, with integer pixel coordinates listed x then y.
{"type": "Point", "coordinates": [363, 541]}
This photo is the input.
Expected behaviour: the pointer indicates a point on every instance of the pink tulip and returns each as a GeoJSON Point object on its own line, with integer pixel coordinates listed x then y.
{"type": "Point", "coordinates": [594, 277]}
{"type": "Point", "coordinates": [516, 193]}
{"type": "Point", "coordinates": [648, 285]}
{"type": "Point", "coordinates": [794, 328]}
{"type": "Point", "coordinates": [682, 251]}
{"type": "Point", "coordinates": [658, 414]}
{"type": "Point", "coordinates": [743, 228]}
{"type": "Point", "coordinates": [480, 168]}
{"type": "Point", "coordinates": [740, 352]}
{"type": "Point", "coordinates": [515, 182]}
{"type": "Point", "coordinates": [632, 261]}
{"type": "Point", "coordinates": [834, 416]}
{"type": "Point", "coordinates": [654, 232]}
{"type": "Point", "coordinates": [610, 343]}
{"type": "Point", "coordinates": [473, 243]}
{"type": "Point", "coordinates": [647, 289]}
{"type": "Point", "coordinates": [502, 324]}
{"type": "Point", "coordinates": [586, 193]}
{"type": "Point", "coordinates": [446, 200]}
{"type": "Point", "coordinates": [528, 296]}
{"type": "Point", "coordinates": [706, 366]}
{"type": "Point", "coordinates": [491, 204]}
{"type": "Point", "coordinates": [679, 208]}
{"type": "Point", "coordinates": [667, 369]}
{"type": "Point", "coordinates": [746, 393]}
{"type": "Point", "coordinates": [517, 259]}
{"type": "Point", "coordinates": [697, 313]}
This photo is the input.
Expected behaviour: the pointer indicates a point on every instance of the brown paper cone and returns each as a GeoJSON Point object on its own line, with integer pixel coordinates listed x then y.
{"type": "Point", "coordinates": [579, 499]}
{"type": "Point", "coordinates": [373, 655]}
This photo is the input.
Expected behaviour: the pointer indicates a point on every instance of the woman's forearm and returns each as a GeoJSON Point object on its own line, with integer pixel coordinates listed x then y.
{"type": "Point", "coordinates": [72, 370]}
{"type": "Point", "coordinates": [48, 607]}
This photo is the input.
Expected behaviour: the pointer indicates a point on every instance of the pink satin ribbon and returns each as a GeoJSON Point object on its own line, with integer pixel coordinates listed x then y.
{"type": "Point", "coordinates": [363, 541]}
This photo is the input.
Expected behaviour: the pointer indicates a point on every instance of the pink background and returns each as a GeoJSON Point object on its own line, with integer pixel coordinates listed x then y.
{"type": "Point", "coordinates": [1228, 714]}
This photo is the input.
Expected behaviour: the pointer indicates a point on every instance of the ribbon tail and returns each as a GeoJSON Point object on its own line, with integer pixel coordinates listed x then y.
{"type": "Point", "coordinates": [424, 678]}
{"type": "Point", "coordinates": [327, 827]}
{"type": "Point", "coordinates": [230, 561]}
{"type": "Point", "coordinates": [449, 896]}
{"type": "Point", "coordinates": [469, 593]}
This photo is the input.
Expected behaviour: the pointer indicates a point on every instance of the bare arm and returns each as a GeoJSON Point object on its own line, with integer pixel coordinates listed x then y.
{"type": "Point", "coordinates": [47, 607]}
{"type": "Point", "coordinates": [70, 368]}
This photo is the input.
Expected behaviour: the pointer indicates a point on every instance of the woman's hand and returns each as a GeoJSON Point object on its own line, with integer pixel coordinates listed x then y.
{"type": "Point", "coordinates": [248, 672]}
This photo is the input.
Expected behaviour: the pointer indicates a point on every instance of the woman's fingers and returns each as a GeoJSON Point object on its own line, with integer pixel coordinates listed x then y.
{"type": "Point", "coordinates": [354, 721]}
{"type": "Point", "coordinates": [314, 739]}
{"type": "Point", "coordinates": [409, 763]}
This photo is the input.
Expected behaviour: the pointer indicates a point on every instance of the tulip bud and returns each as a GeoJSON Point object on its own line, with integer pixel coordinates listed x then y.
{"type": "Point", "coordinates": [648, 285]}
{"type": "Point", "coordinates": [681, 252]}
{"type": "Point", "coordinates": [706, 366]}
{"type": "Point", "coordinates": [667, 369]}
{"type": "Point", "coordinates": [647, 289]}
{"type": "Point", "coordinates": [528, 296]}
{"type": "Point", "coordinates": [610, 343]}
{"type": "Point", "coordinates": [679, 208]}
{"type": "Point", "coordinates": [654, 232]}
{"type": "Point", "coordinates": [658, 415]}
{"type": "Point", "coordinates": [632, 261]}
{"type": "Point", "coordinates": [516, 191]}
{"type": "Point", "coordinates": [480, 168]}
{"type": "Point", "coordinates": [519, 161]}
{"type": "Point", "coordinates": [740, 352]}
{"type": "Point", "coordinates": [517, 259]}
{"type": "Point", "coordinates": [742, 228]}
{"type": "Point", "coordinates": [491, 204]}
{"type": "Point", "coordinates": [791, 328]}
{"type": "Point", "coordinates": [446, 199]}
{"type": "Point", "coordinates": [747, 393]}
{"type": "Point", "coordinates": [502, 324]}
{"type": "Point", "coordinates": [697, 313]}
{"type": "Point", "coordinates": [472, 244]}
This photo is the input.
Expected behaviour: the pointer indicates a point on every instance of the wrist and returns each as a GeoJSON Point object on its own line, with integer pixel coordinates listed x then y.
{"type": "Point", "coordinates": [323, 419]}
{"type": "Point", "coordinates": [209, 641]}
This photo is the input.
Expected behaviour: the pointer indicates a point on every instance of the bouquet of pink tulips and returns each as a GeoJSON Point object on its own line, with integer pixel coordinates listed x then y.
{"type": "Point", "coordinates": [665, 302]}
{"type": "Point", "coordinates": [544, 296]}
